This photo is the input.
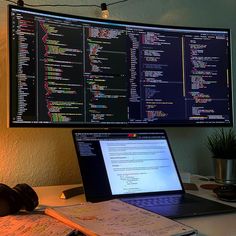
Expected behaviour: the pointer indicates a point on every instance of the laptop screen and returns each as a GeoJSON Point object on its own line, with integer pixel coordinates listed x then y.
{"type": "Point", "coordinates": [126, 162]}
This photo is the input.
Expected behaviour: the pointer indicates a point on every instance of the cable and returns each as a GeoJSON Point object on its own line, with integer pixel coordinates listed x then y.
{"type": "Point", "coordinates": [114, 3]}
{"type": "Point", "coordinates": [202, 177]}
{"type": "Point", "coordinates": [66, 5]}
{"type": "Point", "coordinates": [60, 5]}
{"type": "Point", "coordinates": [54, 5]}
{"type": "Point", "coordinates": [104, 14]}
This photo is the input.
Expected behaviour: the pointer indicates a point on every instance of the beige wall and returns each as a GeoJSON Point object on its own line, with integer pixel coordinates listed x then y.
{"type": "Point", "coordinates": [32, 155]}
{"type": "Point", "coordinates": [43, 156]}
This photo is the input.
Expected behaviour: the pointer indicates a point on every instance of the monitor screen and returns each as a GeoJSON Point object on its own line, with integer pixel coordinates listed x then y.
{"type": "Point", "coordinates": [83, 72]}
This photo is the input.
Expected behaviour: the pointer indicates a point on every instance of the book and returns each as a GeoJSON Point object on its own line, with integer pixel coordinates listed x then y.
{"type": "Point", "coordinates": [33, 224]}
{"type": "Point", "coordinates": [117, 218]}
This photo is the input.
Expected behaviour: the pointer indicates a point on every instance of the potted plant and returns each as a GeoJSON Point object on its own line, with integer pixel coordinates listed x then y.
{"type": "Point", "coordinates": [222, 145]}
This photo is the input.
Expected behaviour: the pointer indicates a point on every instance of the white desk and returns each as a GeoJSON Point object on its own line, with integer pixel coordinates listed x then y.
{"type": "Point", "coordinates": [214, 225]}
{"type": "Point", "coordinates": [217, 225]}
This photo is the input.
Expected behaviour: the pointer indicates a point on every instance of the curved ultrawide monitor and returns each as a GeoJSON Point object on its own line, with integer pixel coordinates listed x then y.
{"type": "Point", "coordinates": [82, 72]}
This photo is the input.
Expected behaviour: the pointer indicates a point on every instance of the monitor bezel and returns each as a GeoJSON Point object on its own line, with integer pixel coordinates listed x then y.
{"type": "Point", "coordinates": [41, 124]}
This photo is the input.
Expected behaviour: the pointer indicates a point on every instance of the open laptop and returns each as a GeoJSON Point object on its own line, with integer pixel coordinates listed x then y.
{"type": "Point", "coordinates": [138, 167]}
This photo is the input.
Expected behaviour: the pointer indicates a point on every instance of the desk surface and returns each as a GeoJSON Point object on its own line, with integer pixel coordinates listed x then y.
{"type": "Point", "coordinates": [215, 225]}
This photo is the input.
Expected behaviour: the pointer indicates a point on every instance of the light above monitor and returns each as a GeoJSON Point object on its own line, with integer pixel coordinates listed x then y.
{"type": "Point", "coordinates": [82, 72]}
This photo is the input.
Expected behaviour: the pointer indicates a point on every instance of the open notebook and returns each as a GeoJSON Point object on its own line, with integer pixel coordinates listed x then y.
{"type": "Point", "coordinates": [138, 167]}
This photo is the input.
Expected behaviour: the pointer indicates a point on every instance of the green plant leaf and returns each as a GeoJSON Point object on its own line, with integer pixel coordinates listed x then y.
{"type": "Point", "coordinates": [222, 144]}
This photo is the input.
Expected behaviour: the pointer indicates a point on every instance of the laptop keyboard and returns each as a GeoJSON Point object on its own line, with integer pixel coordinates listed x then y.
{"type": "Point", "coordinates": [155, 201]}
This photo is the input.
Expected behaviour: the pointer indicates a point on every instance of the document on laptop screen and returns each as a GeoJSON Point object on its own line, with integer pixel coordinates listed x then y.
{"type": "Point", "coordinates": [139, 166]}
